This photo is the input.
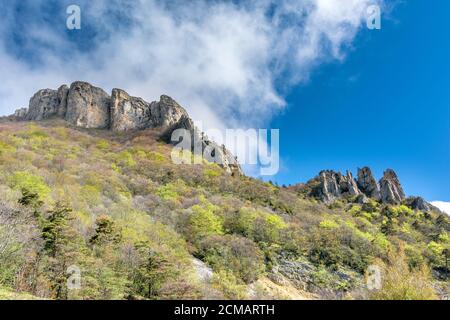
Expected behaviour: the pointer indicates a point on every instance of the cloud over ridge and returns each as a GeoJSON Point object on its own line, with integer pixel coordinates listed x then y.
{"type": "Point", "coordinates": [227, 62]}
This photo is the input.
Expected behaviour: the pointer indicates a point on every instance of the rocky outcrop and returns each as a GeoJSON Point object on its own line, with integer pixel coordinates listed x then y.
{"type": "Point", "coordinates": [128, 113]}
{"type": "Point", "coordinates": [86, 106]}
{"type": "Point", "coordinates": [348, 184]}
{"type": "Point", "coordinates": [330, 185]}
{"type": "Point", "coordinates": [419, 203]}
{"type": "Point", "coordinates": [61, 95]}
{"type": "Point", "coordinates": [43, 105]}
{"type": "Point", "coordinates": [367, 183]}
{"type": "Point", "coordinates": [20, 113]}
{"type": "Point", "coordinates": [131, 113]}
{"type": "Point", "coordinates": [391, 190]}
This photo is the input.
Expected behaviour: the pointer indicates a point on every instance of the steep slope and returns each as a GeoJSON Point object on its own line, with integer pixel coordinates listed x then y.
{"type": "Point", "coordinates": [93, 207]}
{"type": "Point", "coordinates": [115, 206]}
{"type": "Point", "coordinates": [86, 106]}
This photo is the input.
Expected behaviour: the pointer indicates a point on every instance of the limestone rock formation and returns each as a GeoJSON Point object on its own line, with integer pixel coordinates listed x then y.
{"type": "Point", "coordinates": [84, 105]}
{"type": "Point", "coordinates": [348, 184]}
{"type": "Point", "coordinates": [43, 105]}
{"type": "Point", "coordinates": [61, 95]}
{"type": "Point", "coordinates": [20, 113]}
{"type": "Point", "coordinates": [367, 183]}
{"type": "Point", "coordinates": [128, 113]}
{"type": "Point", "coordinates": [419, 203]}
{"type": "Point", "coordinates": [330, 185]}
{"type": "Point", "coordinates": [88, 106]}
{"type": "Point", "coordinates": [390, 188]}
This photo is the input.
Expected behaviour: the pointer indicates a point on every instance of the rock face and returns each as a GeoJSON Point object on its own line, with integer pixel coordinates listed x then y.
{"type": "Point", "coordinates": [131, 113]}
{"type": "Point", "coordinates": [390, 188]}
{"type": "Point", "coordinates": [43, 105]}
{"type": "Point", "coordinates": [367, 183]}
{"type": "Point", "coordinates": [86, 106]}
{"type": "Point", "coordinates": [418, 203]}
{"type": "Point", "coordinates": [128, 113]}
{"type": "Point", "coordinates": [330, 185]}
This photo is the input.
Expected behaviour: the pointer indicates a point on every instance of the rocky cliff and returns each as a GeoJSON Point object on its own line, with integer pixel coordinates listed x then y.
{"type": "Point", "coordinates": [86, 106]}
{"type": "Point", "coordinates": [329, 186]}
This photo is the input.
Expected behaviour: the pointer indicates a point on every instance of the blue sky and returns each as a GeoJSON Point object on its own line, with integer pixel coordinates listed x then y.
{"type": "Point", "coordinates": [342, 96]}
{"type": "Point", "coordinates": [386, 106]}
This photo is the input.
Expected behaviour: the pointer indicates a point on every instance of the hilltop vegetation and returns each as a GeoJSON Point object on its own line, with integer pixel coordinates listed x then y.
{"type": "Point", "coordinates": [115, 206]}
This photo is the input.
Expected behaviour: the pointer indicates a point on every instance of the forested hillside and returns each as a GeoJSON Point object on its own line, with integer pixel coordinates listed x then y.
{"type": "Point", "coordinates": [140, 227]}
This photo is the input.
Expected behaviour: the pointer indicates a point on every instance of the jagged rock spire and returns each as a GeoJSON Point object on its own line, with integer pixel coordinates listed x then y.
{"type": "Point", "coordinates": [390, 188]}
{"type": "Point", "coordinates": [367, 183]}
{"type": "Point", "coordinates": [330, 185]}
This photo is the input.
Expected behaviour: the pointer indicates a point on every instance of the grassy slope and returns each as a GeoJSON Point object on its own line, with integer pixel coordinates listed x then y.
{"type": "Point", "coordinates": [241, 227]}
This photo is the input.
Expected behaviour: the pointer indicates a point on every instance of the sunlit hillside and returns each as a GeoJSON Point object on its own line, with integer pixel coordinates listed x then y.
{"type": "Point", "coordinates": [139, 227]}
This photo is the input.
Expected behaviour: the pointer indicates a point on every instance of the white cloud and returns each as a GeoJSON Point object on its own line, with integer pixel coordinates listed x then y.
{"type": "Point", "coordinates": [443, 206]}
{"type": "Point", "coordinates": [224, 62]}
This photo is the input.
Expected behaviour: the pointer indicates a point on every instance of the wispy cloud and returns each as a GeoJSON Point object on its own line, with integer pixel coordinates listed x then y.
{"type": "Point", "coordinates": [444, 206]}
{"type": "Point", "coordinates": [227, 62]}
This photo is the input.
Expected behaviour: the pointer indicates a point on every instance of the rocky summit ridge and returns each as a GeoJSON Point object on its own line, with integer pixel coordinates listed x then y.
{"type": "Point", "coordinates": [330, 185]}
{"type": "Point", "coordinates": [86, 106]}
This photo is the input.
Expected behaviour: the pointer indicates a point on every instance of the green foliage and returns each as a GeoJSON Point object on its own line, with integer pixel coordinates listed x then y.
{"type": "Point", "coordinates": [231, 287]}
{"type": "Point", "coordinates": [22, 180]}
{"type": "Point", "coordinates": [151, 273]}
{"type": "Point", "coordinates": [399, 282]}
{"type": "Point", "coordinates": [329, 224]}
{"type": "Point", "coordinates": [203, 222]}
{"type": "Point", "coordinates": [137, 220]}
{"type": "Point", "coordinates": [105, 231]}
{"type": "Point", "coordinates": [257, 225]}
{"type": "Point", "coordinates": [233, 254]}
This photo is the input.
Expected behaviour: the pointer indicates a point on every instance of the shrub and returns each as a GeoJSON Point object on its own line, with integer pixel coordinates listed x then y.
{"type": "Point", "coordinates": [22, 180]}
{"type": "Point", "coordinates": [399, 282]}
{"type": "Point", "coordinates": [236, 254]}
{"type": "Point", "coordinates": [328, 224]}
{"type": "Point", "coordinates": [325, 248]}
{"type": "Point", "coordinates": [258, 225]}
{"type": "Point", "coordinates": [231, 287]}
{"type": "Point", "coordinates": [202, 222]}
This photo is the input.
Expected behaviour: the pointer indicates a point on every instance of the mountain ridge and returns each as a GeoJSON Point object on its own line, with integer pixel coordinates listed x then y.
{"type": "Point", "coordinates": [86, 106]}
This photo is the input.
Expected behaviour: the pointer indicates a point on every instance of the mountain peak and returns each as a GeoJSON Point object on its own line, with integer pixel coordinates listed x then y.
{"type": "Point", "coordinates": [330, 185]}
{"type": "Point", "coordinates": [86, 106]}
